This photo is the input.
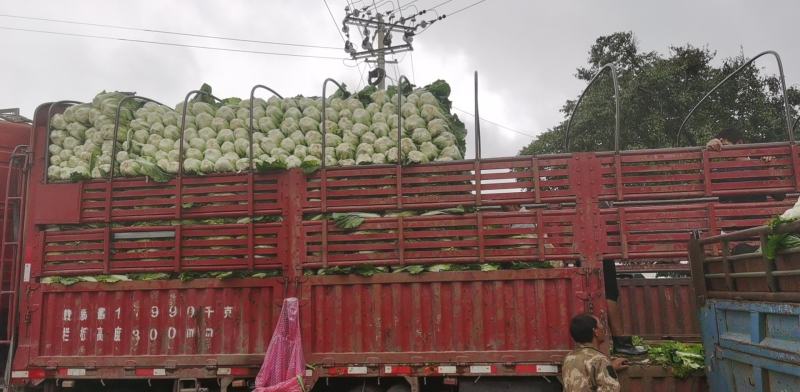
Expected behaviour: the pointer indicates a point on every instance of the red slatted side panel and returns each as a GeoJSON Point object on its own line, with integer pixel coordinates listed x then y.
{"type": "Point", "coordinates": [443, 317]}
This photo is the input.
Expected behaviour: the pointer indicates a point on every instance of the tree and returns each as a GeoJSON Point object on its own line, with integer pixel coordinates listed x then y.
{"type": "Point", "coordinates": [658, 91]}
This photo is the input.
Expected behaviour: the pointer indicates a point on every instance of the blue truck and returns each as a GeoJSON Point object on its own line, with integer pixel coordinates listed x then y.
{"type": "Point", "coordinates": [749, 304]}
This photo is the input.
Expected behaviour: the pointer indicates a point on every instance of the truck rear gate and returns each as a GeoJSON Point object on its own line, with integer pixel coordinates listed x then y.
{"type": "Point", "coordinates": [194, 329]}
{"type": "Point", "coordinates": [503, 319]}
{"type": "Point", "coordinates": [634, 206]}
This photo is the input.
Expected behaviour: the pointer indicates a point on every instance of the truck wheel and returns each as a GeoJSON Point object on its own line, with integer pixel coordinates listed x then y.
{"type": "Point", "coordinates": [365, 387]}
{"type": "Point", "coordinates": [399, 387]}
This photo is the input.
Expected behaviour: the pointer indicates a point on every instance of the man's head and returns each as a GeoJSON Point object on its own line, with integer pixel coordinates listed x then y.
{"type": "Point", "coordinates": [585, 328]}
{"type": "Point", "coordinates": [730, 136]}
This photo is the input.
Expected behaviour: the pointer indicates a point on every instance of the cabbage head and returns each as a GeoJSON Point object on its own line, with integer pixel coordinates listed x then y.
{"type": "Point", "coordinates": [192, 165]}
{"type": "Point", "coordinates": [345, 151]}
{"type": "Point", "coordinates": [378, 158]}
{"type": "Point", "coordinates": [368, 138]}
{"type": "Point", "coordinates": [362, 116]}
{"type": "Point", "coordinates": [451, 152]}
{"type": "Point", "coordinates": [206, 166]}
{"type": "Point", "coordinates": [219, 124]}
{"type": "Point", "coordinates": [242, 147]}
{"type": "Point", "coordinates": [223, 165]}
{"type": "Point", "coordinates": [364, 159]}
{"type": "Point", "coordinates": [212, 155]}
{"type": "Point", "coordinates": [313, 113]}
{"type": "Point", "coordinates": [225, 135]}
{"type": "Point", "coordinates": [407, 145]}
{"type": "Point", "coordinates": [359, 129]}
{"type": "Point", "coordinates": [307, 124]}
{"type": "Point", "coordinates": [444, 139]}
{"type": "Point", "coordinates": [227, 147]}
{"type": "Point", "coordinates": [416, 157]}
{"type": "Point", "coordinates": [414, 122]}
{"type": "Point", "coordinates": [203, 120]}
{"type": "Point", "coordinates": [430, 150]}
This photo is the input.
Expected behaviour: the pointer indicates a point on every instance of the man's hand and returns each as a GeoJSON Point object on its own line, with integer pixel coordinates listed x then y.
{"type": "Point", "coordinates": [714, 144]}
{"type": "Point", "coordinates": [619, 364]}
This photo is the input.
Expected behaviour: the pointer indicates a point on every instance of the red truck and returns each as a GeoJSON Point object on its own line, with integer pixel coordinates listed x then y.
{"type": "Point", "coordinates": [438, 331]}
{"type": "Point", "coordinates": [466, 331]}
{"type": "Point", "coordinates": [14, 132]}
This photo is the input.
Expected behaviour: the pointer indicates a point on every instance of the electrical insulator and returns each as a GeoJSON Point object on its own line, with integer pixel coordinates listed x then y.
{"type": "Point", "coordinates": [408, 37]}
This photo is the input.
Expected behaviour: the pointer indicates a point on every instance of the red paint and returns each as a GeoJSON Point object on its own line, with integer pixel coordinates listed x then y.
{"type": "Point", "coordinates": [507, 320]}
{"type": "Point", "coordinates": [397, 371]}
{"type": "Point", "coordinates": [659, 309]}
{"type": "Point", "coordinates": [656, 378]}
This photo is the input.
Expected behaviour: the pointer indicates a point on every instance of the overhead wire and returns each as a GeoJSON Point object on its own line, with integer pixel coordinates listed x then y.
{"type": "Point", "coordinates": [168, 43]}
{"type": "Point", "coordinates": [413, 74]}
{"type": "Point", "coordinates": [440, 4]}
{"type": "Point", "coordinates": [158, 31]}
{"type": "Point", "coordinates": [335, 25]}
{"type": "Point", "coordinates": [465, 8]}
{"type": "Point", "coordinates": [409, 4]}
{"type": "Point", "coordinates": [517, 131]}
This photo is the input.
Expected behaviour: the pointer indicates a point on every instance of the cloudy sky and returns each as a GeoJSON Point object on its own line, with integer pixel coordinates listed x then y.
{"type": "Point", "coordinates": [525, 51]}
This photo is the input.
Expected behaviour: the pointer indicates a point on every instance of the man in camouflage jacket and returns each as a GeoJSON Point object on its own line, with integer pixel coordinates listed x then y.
{"type": "Point", "coordinates": [587, 369]}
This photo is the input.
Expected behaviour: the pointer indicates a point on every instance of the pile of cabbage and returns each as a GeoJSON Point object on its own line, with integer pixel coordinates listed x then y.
{"type": "Point", "coordinates": [286, 133]}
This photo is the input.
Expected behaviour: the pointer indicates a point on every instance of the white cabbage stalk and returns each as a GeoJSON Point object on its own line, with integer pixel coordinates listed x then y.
{"type": "Point", "coordinates": [217, 139]}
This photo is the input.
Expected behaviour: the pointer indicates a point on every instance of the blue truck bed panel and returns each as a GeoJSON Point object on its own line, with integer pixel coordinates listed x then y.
{"type": "Point", "coordinates": [751, 346]}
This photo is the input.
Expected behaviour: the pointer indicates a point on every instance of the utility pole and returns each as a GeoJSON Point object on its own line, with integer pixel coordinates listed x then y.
{"type": "Point", "coordinates": [381, 54]}
{"type": "Point", "coordinates": [379, 26]}
{"type": "Point", "coordinates": [368, 19]}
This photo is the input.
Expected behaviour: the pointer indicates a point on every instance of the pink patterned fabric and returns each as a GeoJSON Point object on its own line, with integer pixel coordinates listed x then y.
{"type": "Point", "coordinates": [283, 366]}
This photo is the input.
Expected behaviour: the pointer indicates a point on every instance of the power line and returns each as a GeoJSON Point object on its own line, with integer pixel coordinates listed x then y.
{"type": "Point", "coordinates": [465, 8]}
{"type": "Point", "coordinates": [498, 124]}
{"type": "Point", "coordinates": [407, 5]}
{"type": "Point", "coordinates": [413, 74]}
{"type": "Point", "coordinates": [440, 4]}
{"type": "Point", "coordinates": [169, 43]}
{"type": "Point", "coordinates": [73, 22]}
{"type": "Point", "coordinates": [336, 26]}
{"type": "Point", "coordinates": [333, 20]}
{"type": "Point", "coordinates": [360, 77]}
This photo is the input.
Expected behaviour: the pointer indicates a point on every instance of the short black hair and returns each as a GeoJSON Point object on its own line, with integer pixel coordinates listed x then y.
{"type": "Point", "coordinates": [581, 328]}
{"type": "Point", "coordinates": [733, 135]}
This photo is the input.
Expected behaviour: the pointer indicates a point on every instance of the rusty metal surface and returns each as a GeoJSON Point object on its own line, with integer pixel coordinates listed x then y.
{"type": "Point", "coordinates": [657, 309]}
{"type": "Point", "coordinates": [508, 317]}
{"type": "Point", "coordinates": [485, 317]}
{"type": "Point", "coordinates": [11, 135]}
{"type": "Point", "coordinates": [658, 379]}
{"type": "Point", "coordinates": [719, 271]}
{"type": "Point", "coordinates": [147, 323]}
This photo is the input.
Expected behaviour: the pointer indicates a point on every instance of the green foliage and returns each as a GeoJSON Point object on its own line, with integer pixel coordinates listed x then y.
{"type": "Point", "coordinates": [351, 220]}
{"type": "Point", "coordinates": [684, 359]}
{"type": "Point", "coordinates": [657, 91]}
{"type": "Point", "coordinates": [779, 241]}
{"type": "Point", "coordinates": [416, 269]}
{"type": "Point", "coordinates": [184, 276]}
{"type": "Point", "coordinates": [365, 95]}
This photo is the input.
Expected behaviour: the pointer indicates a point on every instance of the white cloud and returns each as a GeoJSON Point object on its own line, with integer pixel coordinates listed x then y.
{"type": "Point", "coordinates": [526, 52]}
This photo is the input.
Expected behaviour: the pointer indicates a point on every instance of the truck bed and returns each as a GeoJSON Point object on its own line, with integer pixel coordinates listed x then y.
{"type": "Point", "coordinates": [634, 207]}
